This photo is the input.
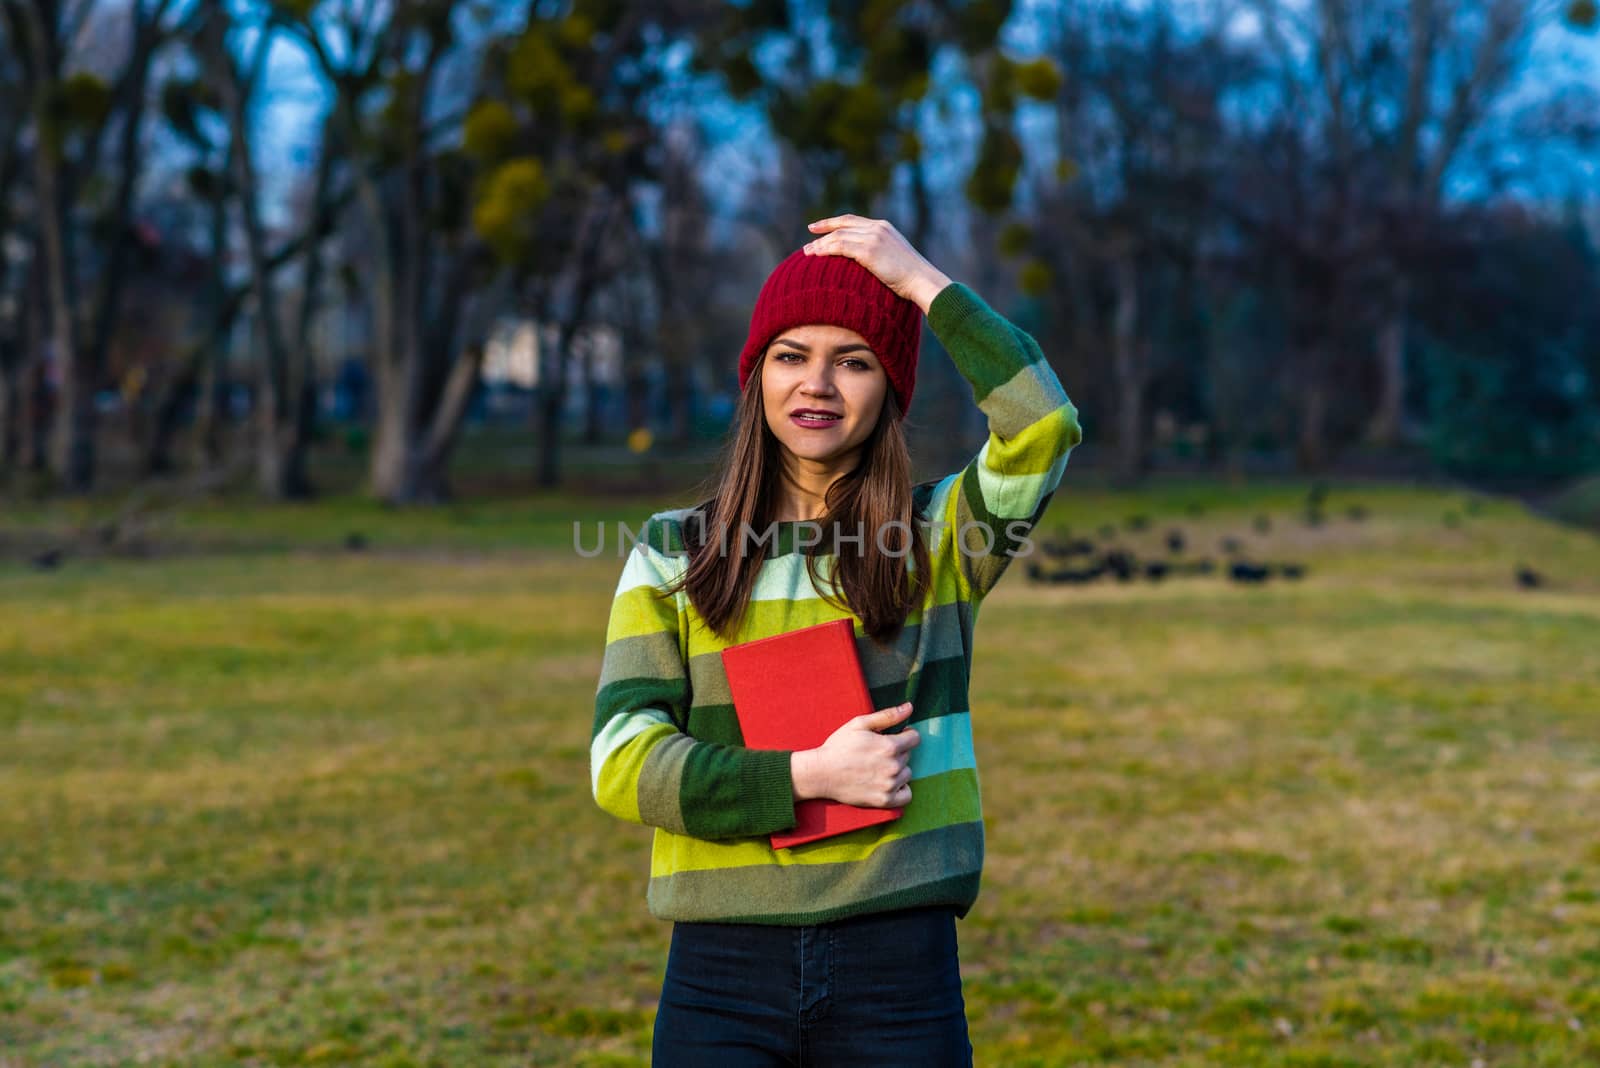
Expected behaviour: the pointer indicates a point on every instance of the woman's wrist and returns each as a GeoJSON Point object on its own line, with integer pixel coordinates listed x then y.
{"type": "Point", "coordinates": [803, 771]}
{"type": "Point", "coordinates": [927, 288]}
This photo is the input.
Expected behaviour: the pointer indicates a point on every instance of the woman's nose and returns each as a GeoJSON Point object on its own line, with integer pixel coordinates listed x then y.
{"type": "Point", "coordinates": [818, 382]}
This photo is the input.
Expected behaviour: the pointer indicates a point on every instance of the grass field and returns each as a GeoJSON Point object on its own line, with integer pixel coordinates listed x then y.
{"type": "Point", "coordinates": [296, 805]}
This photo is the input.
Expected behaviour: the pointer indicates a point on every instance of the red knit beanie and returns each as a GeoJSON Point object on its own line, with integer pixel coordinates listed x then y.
{"type": "Point", "coordinates": [835, 290]}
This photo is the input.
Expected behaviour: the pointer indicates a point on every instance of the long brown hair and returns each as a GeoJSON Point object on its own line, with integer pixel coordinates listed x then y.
{"type": "Point", "coordinates": [872, 581]}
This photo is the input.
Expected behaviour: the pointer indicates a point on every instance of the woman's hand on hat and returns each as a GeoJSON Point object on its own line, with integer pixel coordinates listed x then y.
{"type": "Point", "coordinates": [881, 249]}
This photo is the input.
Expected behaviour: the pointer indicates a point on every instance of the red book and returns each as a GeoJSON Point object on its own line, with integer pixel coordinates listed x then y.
{"type": "Point", "coordinates": [793, 690]}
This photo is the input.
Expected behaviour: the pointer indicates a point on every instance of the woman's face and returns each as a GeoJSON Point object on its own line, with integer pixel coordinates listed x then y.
{"type": "Point", "coordinates": [827, 369]}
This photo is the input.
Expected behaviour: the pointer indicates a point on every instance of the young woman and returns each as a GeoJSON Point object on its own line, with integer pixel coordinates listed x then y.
{"type": "Point", "coordinates": [843, 950]}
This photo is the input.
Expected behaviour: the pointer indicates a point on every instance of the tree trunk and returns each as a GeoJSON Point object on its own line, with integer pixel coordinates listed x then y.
{"type": "Point", "coordinates": [594, 404]}
{"type": "Point", "coordinates": [423, 393]}
{"type": "Point", "coordinates": [156, 449]}
{"type": "Point", "coordinates": [681, 397]}
{"type": "Point", "coordinates": [34, 30]}
{"type": "Point", "coordinates": [114, 271]}
{"type": "Point", "coordinates": [72, 436]}
{"type": "Point", "coordinates": [554, 369]}
{"type": "Point", "coordinates": [283, 430]}
{"type": "Point", "coordinates": [941, 396]}
{"type": "Point", "coordinates": [552, 396]}
{"type": "Point", "coordinates": [637, 392]}
{"type": "Point", "coordinates": [32, 408]}
{"type": "Point", "coordinates": [8, 406]}
{"type": "Point", "coordinates": [1311, 454]}
{"type": "Point", "coordinates": [412, 467]}
{"type": "Point", "coordinates": [280, 462]}
{"type": "Point", "coordinates": [424, 402]}
{"type": "Point", "coordinates": [1131, 370]}
{"type": "Point", "coordinates": [1222, 411]}
{"type": "Point", "coordinates": [210, 412]}
{"type": "Point", "coordinates": [404, 470]}
{"type": "Point", "coordinates": [393, 475]}
{"type": "Point", "coordinates": [280, 465]}
{"type": "Point", "coordinates": [200, 371]}
{"type": "Point", "coordinates": [1388, 423]}
{"type": "Point", "coordinates": [449, 415]}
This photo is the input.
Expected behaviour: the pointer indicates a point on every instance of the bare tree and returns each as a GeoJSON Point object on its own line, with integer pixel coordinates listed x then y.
{"type": "Point", "coordinates": [16, 249]}
{"type": "Point", "coordinates": [68, 143]}
{"type": "Point", "coordinates": [1139, 129]}
{"type": "Point", "coordinates": [285, 394]}
{"type": "Point", "coordinates": [385, 65]}
{"type": "Point", "coordinates": [1389, 93]}
{"type": "Point", "coordinates": [682, 262]}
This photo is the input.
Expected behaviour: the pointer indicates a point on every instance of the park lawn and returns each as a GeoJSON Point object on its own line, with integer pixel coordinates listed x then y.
{"type": "Point", "coordinates": [297, 805]}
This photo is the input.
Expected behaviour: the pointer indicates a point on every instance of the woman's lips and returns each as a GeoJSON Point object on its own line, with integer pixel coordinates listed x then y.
{"type": "Point", "coordinates": [808, 423]}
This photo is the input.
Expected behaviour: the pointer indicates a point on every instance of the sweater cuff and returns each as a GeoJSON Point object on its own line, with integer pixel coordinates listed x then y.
{"type": "Point", "coordinates": [950, 309]}
{"type": "Point", "coordinates": [769, 790]}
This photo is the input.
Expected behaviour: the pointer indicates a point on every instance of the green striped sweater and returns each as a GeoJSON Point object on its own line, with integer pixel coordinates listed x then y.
{"type": "Point", "coordinates": [666, 749]}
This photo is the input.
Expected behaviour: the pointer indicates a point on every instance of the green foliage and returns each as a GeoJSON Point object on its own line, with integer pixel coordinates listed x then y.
{"type": "Point", "coordinates": [182, 102]}
{"type": "Point", "coordinates": [535, 71]}
{"type": "Point", "coordinates": [994, 177]}
{"type": "Point", "coordinates": [82, 101]}
{"type": "Point", "coordinates": [856, 121]}
{"type": "Point", "coordinates": [1036, 278]}
{"type": "Point", "coordinates": [1040, 79]}
{"type": "Point", "coordinates": [504, 214]}
{"type": "Point", "coordinates": [301, 10]}
{"type": "Point", "coordinates": [858, 124]}
{"type": "Point", "coordinates": [760, 15]}
{"type": "Point", "coordinates": [870, 179]}
{"type": "Point", "coordinates": [910, 146]}
{"type": "Point", "coordinates": [1510, 355]}
{"type": "Point", "coordinates": [1001, 91]}
{"type": "Point", "coordinates": [877, 17]}
{"type": "Point", "coordinates": [978, 23]}
{"type": "Point", "coordinates": [897, 59]}
{"type": "Point", "coordinates": [575, 31]}
{"type": "Point", "coordinates": [602, 14]}
{"type": "Point", "coordinates": [803, 118]}
{"type": "Point", "coordinates": [849, 123]}
{"type": "Point", "coordinates": [1014, 239]}
{"type": "Point", "coordinates": [489, 132]}
{"type": "Point", "coordinates": [432, 17]}
{"type": "Point", "coordinates": [741, 75]}
{"type": "Point", "coordinates": [579, 104]}
{"type": "Point", "coordinates": [1510, 415]}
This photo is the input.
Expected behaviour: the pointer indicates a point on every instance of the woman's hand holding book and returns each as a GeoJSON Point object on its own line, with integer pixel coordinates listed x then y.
{"type": "Point", "coordinates": [858, 765]}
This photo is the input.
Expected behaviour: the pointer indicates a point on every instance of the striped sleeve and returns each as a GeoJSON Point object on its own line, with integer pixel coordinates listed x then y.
{"type": "Point", "coordinates": [991, 504]}
{"type": "Point", "coordinates": [643, 765]}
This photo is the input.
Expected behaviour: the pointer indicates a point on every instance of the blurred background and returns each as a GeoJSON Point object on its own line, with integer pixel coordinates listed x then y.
{"type": "Point", "coordinates": [1256, 235]}
{"type": "Point", "coordinates": [323, 323]}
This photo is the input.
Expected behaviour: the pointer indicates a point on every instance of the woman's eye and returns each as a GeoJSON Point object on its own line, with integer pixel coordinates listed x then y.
{"type": "Point", "coordinates": [860, 365]}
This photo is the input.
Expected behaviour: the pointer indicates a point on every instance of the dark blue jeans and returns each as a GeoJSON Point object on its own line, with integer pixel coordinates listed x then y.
{"type": "Point", "coordinates": [881, 989]}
